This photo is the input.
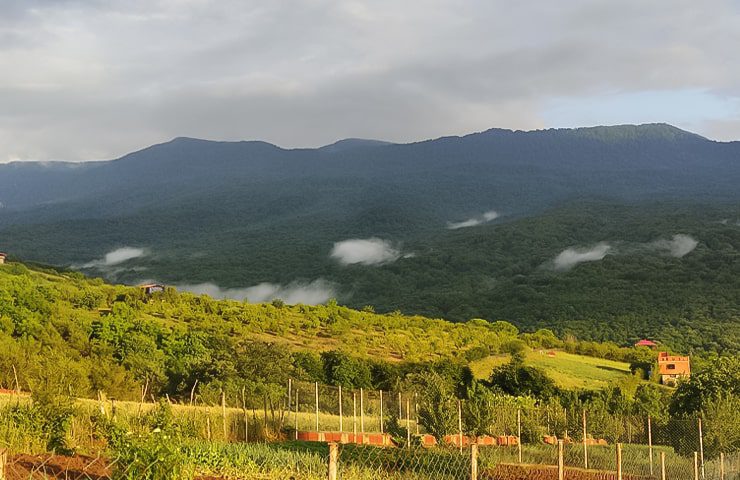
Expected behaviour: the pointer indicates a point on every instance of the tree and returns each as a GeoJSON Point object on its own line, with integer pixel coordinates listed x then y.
{"type": "Point", "coordinates": [722, 377]}
{"type": "Point", "coordinates": [478, 414]}
{"type": "Point", "coordinates": [437, 404]}
{"type": "Point", "coordinates": [516, 379]}
{"type": "Point", "coordinates": [341, 369]}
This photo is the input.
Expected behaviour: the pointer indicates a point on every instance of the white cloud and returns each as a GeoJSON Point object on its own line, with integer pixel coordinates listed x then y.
{"type": "Point", "coordinates": [116, 257]}
{"type": "Point", "coordinates": [313, 293]}
{"type": "Point", "coordinates": [475, 221]}
{"type": "Point", "coordinates": [571, 257]}
{"type": "Point", "coordinates": [678, 246]}
{"type": "Point", "coordinates": [369, 251]}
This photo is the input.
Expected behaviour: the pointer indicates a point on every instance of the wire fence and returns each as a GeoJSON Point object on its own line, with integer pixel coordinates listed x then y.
{"type": "Point", "coordinates": [309, 461]}
{"type": "Point", "coordinates": [360, 434]}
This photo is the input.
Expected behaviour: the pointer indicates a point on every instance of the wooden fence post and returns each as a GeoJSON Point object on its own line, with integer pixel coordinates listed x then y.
{"type": "Point", "coordinates": [696, 465]}
{"type": "Point", "coordinates": [662, 466]}
{"type": "Point", "coordinates": [721, 466]}
{"type": "Point", "coordinates": [650, 443]}
{"type": "Point", "coordinates": [585, 444]}
{"type": "Point", "coordinates": [619, 461]}
{"type": "Point", "coordinates": [561, 463]}
{"type": "Point", "coordinates": [333, 460]}
{"type": "Point", "coordinates": [473, 461]}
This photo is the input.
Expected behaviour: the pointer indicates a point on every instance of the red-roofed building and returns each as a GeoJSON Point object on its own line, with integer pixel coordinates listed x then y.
{"type": "Point", "coordinates": [672, 368]}
{"type": "Point", "coordinates": [646, 343]}
{"type": "Point", "coordinates": [3, 256]}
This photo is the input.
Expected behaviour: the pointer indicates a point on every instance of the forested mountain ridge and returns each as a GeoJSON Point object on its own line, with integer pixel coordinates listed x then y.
{"type": "Point", "coordinates": [471, 225]}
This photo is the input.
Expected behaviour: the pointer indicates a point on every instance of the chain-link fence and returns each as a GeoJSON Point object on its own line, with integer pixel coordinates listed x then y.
{"type": "Point", "coordinates": [211, 460]}
{"type": "Point", "coordinates": [388, 434]}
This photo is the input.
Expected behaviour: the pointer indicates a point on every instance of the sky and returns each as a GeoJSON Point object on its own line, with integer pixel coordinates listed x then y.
{"type": "Point", "coordinates": [95, 79]}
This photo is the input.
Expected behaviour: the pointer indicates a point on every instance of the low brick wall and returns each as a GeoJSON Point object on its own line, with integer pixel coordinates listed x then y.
{"type": "Point", "coordinates": [375, 439]}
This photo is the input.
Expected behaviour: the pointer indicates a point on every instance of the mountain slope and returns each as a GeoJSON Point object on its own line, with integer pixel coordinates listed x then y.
{"type": "Point", "coordinates": [238, 214]}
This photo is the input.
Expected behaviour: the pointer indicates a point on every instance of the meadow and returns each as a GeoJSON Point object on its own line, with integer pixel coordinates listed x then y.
{"type": "Point", "coordinates": [567, 370]}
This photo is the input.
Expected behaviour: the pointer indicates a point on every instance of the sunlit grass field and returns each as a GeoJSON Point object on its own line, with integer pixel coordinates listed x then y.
{"type": "Point", "coordinates": [566, 369]}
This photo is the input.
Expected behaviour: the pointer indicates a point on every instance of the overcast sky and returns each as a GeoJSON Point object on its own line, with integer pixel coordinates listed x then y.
{"type": "Point", "coordinates": [94, 79]}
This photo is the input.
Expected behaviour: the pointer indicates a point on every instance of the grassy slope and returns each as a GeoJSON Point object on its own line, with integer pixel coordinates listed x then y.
{"type": "Point", "coordinates": [567, 370]}
{"type": "Point", "coordinates": [388, 337]}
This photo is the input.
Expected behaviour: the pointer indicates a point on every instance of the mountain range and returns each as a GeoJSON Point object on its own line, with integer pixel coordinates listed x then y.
{"type": "Point", "coordinates": [453, 227]}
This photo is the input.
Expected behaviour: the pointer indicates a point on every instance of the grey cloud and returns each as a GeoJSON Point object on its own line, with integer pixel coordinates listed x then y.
{"type": "Point", "coordinates": [306, 73]}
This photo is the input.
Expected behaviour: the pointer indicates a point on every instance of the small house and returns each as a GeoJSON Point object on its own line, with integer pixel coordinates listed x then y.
{"type": "Point", "coordinates": [3, 256]}
{"type": "Point", "coordinates": [646, 343]}
{"type": "Point", "coordinates": [152, 288]}
{"type": "Point", "coordinates": [672, 368]}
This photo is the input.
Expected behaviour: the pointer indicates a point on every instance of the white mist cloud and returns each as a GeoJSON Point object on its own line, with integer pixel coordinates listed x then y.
{"type": "Point", "coordinates": [370, 251]}
{"type": "Point", "coordinates": [571, 257]}
{"type": "Point", "coordinates": [313, 293]}
{"type": "Point", "coordinates": [679, 246]}
{"type": "Point", "coordinates": [475, 221]}
{"type": "Point", "coordinates": [116, 257]}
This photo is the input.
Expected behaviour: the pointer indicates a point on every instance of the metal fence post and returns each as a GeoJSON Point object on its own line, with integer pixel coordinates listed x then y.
{"type": "Point", "coordinates": [317, 406]}
{"type": "Point", "coordinates": [333, 460]}
{"type": "Point", "coordinates": [662, 465]}
{"type": "Point", "coordinates": [561, 463]}
{"type": "Point", "coordinates": [619, 461]}
{"type": "Point", "coordinates": [3, 461]}
{"type": "Point", "coordinates": [408, 423]}
{"type": "Point", "coordinates": [696, 465]}
{"type": "Point", "coordinates": [341, 425]}
{"type": "Point", "coordinates": [585, 445]}
{"type": "Point", "coordinates": [650, 443]}
{"type": "Point", "coordinates": [354, 414]}
{"type": "Point", "coordinates": [296, 414]}
{"type": "Point", "coordinates": [381, 411]}
{"type": "Point", "coordinates": [519, 433]}
{"type": "Point", "coordinates": [459, 424]}
{"type": "Point", "coordinates": [473, 461]}
{"type": "Point", "coordinates": [701, 449]}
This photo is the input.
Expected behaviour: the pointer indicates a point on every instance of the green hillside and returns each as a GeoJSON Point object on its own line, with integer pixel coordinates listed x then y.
{"type": "Point", "coordinates": [116, 338]}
